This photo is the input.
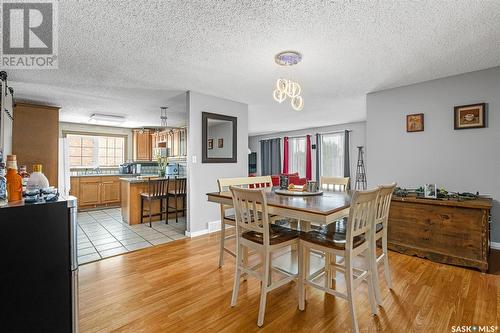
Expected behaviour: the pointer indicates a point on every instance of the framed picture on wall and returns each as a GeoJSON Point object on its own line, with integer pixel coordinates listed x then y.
{"type": "Point", "coordinates": [220, 143]}
{"type": "Point", "coordinates": [470, 116]}
{"type": "Point", "coordinates": [415, 122]}
{"type": "Point", "coordinates": [210, 144]}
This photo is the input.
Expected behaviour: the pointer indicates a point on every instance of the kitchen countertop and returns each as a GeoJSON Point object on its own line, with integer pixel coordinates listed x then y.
{"type": "Point", "coordinates": [135, 180]}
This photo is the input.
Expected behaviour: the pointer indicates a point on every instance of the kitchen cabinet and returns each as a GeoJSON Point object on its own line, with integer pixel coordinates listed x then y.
{"type": "Point", "coordinates": [90, 191]}
{"type": "Point", "coordinates": [142, 145]}
{"type": "Point", "coordinates": [96, 191]}
{"type": "Point", "coordinates": [110, 191]}
{"type": "Point", "coordinates": [175, 140]}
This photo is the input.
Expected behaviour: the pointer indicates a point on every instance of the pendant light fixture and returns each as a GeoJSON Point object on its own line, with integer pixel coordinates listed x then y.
{"type": "Point", "coordinates": [287, 88]}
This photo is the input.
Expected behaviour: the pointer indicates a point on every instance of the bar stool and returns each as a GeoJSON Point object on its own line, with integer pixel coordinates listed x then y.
{"type": "Point", "coordinates": [179, 191]}
{"type": "Point", "coordinates": [157, 190]}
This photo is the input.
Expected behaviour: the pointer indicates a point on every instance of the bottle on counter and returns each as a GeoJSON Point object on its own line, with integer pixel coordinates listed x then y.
{"type": "Point", "coordinates": [3, 185]}
{"type": "Point", "coordinates": [14, 181]}
{"type": "Point", "coordinates": [37, 180]}
{"type": "Point", "coordinates": [24, 175]}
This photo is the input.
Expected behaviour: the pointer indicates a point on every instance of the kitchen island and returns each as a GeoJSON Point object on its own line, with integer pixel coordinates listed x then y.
{"type": "Point", "coordinates": [131, 189]}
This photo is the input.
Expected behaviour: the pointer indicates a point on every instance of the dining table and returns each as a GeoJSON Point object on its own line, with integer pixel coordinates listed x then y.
{"type": "Point", "coordinates": [320, 209]}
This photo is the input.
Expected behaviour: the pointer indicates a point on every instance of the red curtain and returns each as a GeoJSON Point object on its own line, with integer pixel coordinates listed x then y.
{"type": "Point", "coordinates": [285, 154]}
{"type": "Point", "coordinates": [308, 158]}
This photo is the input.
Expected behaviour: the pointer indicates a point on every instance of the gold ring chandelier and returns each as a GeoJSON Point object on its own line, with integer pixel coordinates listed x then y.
{"type": "Point", "coordinates": [291, 89]}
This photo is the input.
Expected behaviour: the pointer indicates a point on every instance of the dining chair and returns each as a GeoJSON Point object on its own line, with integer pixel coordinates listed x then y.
{"type": "Point", "coordinates": [335, 183]}
{"type": "Point", "coordinates": [254, 232]}
{"type": "Point", "coordinates": [157, 190]}
{"type": "Point", "coordinates": [380, 227]}
{"type": "Point", "coordinates": [228, 218]}
{"type": "Point", "coordinates": [349, 241]}
{"type": "Point", "coordinates": [179, 191]}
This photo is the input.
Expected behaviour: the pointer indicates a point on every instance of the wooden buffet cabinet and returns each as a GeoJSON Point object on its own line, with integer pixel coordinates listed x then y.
{"type": "Point", "coordinates": [450, 232]}
{"type": "Point", "coordinates": [96, 191]}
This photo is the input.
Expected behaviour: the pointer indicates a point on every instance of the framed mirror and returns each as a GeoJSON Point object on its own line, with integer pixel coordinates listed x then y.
{"type": "Point", "coordinates": [218, 132]}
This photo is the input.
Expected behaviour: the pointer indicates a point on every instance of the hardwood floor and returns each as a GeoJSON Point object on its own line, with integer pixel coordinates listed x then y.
{"type": "Point", "coordinates": [177, 287]}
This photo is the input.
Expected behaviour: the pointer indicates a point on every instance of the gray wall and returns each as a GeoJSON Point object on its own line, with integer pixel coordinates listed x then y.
{"type": "Point", "coordinates": [459, 160]}
{"type": "Point", "coordinates": [357, 138]}
{"type": "Point", "coordinates": [203, 177]}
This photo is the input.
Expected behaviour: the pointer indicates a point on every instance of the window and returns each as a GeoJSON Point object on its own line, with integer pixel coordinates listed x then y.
{"type": "Point", "coordinates": [332, 155]}
{"type": "Point", "coordinates": [90, 151]}
{"type": "Point", "coordinates": [297, 156]}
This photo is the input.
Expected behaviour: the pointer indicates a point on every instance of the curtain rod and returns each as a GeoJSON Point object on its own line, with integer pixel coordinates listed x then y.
{"type": "Point", "coordinates": [303, 135]}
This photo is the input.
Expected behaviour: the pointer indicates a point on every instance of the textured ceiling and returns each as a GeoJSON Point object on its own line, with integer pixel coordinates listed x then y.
{"type": "Point", "coordinates": [130, 57]}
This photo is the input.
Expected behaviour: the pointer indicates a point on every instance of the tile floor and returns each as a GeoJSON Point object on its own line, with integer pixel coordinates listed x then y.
{"type": "Point", "coordinates": [102, 234]}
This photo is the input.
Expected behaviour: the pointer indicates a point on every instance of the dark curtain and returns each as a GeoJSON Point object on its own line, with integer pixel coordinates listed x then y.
{"type": "Point", "coordinates": [318, 157]}
{"type": "Point", "coordinates": [285, 154]}
{"type": "Point", "coordinates": [308, 158]}
{"type": "Point", "coordinates": [270, 161]}
{"type": "Point", "coordinates": [347, 164]}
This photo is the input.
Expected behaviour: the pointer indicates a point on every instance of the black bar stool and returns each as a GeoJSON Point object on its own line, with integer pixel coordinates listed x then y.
{"type": "Point", "coordinates": [179, 191]}
{"type": "Point", "coordinates": [157, 190]}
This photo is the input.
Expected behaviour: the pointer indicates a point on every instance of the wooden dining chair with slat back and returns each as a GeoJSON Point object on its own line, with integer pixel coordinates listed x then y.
{"type": "Point", "coordinates": [230, 219]}
{"type": "Point", "coordinates": [335, 183]}
{"type": "Point", "coordinates": [255, 232]}
{"type": "Point", "coordinates": [380, 232]}
{"type": "Point", "coordinates": [157, 190]}
{"type": "Point", "coordinates": [349, 241]}
{"type": "Point", "coordinates": [179, 191]}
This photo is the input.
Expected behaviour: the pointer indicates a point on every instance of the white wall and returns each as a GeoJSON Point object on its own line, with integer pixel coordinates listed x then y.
{"type": "Point", "coordinates": [203, 176]}
{"type": "Point", "coordinates": [459, 160]}
{"type": "Point", "coordinates": [357, 138]}
{"type": "Point", "coordinates": [72, 127]}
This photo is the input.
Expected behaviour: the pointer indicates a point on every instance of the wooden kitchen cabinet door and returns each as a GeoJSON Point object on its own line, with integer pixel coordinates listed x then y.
{"type": "Point", "coordinates": [142, 149]}
{"type": "Point", "coordinates": [90, 192]}
{"type": "Point", "coordinates": [110, 192]}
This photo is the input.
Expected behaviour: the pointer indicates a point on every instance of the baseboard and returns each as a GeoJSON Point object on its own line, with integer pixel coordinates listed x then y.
{"type": "Point", "coordinates": [197, 233]}
{"type": "Point", "coordinates": [495, 245]}
{"type": "Point", "coordinates": [214, 226]}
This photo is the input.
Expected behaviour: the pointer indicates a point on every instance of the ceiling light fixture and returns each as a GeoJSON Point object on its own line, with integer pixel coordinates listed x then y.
{"type": "Point", "coordinates": [289, 88]}
{"type": "Point", "coordinates": [286, 87]}
{"type": "Point", "coordinates": [288, 58]}
{"type": "Point", "coordinates": [110, 118]}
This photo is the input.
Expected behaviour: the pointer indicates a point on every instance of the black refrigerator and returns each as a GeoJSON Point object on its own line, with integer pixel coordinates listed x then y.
{"type": "Point", "coordinates": [39, 274]}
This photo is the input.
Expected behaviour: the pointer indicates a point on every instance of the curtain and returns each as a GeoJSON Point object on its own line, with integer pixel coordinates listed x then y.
{"type": "Point", "coordinates": [285, 154]}
{"type": "Point", "coordinates": [308, 158]}
{"type": "Point", "coordinates": [318, 157]}
{"type": "Point", "coordinates": [347, 165]}
{"type": "Point", "coordinates": [270, 161]}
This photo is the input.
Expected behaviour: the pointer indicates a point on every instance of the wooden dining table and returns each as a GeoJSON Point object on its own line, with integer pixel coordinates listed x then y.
{"type": "Point", "coordinates": [319, 209]}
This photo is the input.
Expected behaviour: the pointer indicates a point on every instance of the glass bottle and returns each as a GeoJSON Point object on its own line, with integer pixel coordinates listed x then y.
{"type": "Point", "coordinates": [14, 181]}
{"type": "Point", "coordinates": [24, 175]}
